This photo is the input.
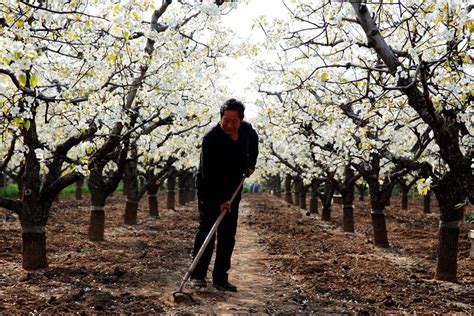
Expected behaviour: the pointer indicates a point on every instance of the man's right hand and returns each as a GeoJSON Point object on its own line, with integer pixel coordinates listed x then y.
{"type": "Point", "coordinates": [225, 206]}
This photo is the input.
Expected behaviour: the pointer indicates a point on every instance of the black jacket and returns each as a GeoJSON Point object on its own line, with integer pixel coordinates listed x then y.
{"type": "Point", "coordinates": [224, 161]}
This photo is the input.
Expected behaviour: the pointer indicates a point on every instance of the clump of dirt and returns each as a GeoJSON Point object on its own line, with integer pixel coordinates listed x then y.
{"type": "Point", "coordinates": [284, 262]}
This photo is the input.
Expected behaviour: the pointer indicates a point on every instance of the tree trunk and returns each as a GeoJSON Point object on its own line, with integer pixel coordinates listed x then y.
{"type": "Point", "coordinates": [182, 188]}
{"type": "Point", "coordinates": [348, 194]}
{"type": "Point", "coordinates": [171, 200]}
{"type": "Point", "coordinates": [131, 212]}
{"type": "Point", "coordinates": [427, 203]}
{"type": "Point", "coordinates": [153, 200]}
{"type": "Point", "coordinates": [34, 209]}
{"type": "Point", "coordinates": [298, 188]}
{"type": "Point", "coordinates": [380, 229]}
{"type": "Point", "coordinates": [79, 186]}
{"type": "Point", "coordinates": [192, 188]}
{"type": "Point", "coordinates": [303, 200]}
{"type": "Point", "coordinates": [348, 218]}
{"type": "Point", "coordinates": [288, 196]}
{"type": "Point", "coordinates": [97, 217]}
{"type": "Point", "coordinates": [362, 190]}
{"type": "Point", "coordinates": [131, 179]}
{"type": "Point", "coordinates": [313, 205]}
{"type": "Point", "coordinates": [326, 213]}
{"type": "Point", "coordinates": [313, 201]}
{"type": "Point", "coordinates": [296, 198]}
{"type": "Point", "coordinates": [34, 247]}
{"type": "Point", "coordinates": [379, 196]}
{"type": "Point", "coordinates": [2, 179]}
{"type": "Point", "coordinates": [447, 263]}
{"type": "Point", "coordinates": [153, 205]}
{"type": "Point", "coordinates": [276, 186]}
{"type": "Point", "coordinates": [97, 223]}
{"type": "Point", "coordinates": [450, 195]}
{"type": "Point", "coordinates": [404, 199]}
{"type": "Point", "coordinates": [327, 199]}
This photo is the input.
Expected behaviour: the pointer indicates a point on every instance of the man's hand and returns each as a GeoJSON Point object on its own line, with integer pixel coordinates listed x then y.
{"type": "Point", "coordinates": [249, 172]}
{"type": "Point", "coordinates": [225, 206]}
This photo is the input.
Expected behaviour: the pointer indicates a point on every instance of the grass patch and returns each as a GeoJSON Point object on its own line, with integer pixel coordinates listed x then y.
{"type": "Point", "coordinates": [11, 190]}
{"type": "Point", "coordinates": [469, 218]}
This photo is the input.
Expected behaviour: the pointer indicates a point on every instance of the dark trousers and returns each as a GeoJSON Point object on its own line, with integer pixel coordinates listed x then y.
{"type": "Point", "coordinates": [226, 231]}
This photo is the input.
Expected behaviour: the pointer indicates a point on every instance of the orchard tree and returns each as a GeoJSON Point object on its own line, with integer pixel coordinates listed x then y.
{"type": "Point", "coordinates": [76, 67]}
{"type": "Point", "coordinates": [408, 53]}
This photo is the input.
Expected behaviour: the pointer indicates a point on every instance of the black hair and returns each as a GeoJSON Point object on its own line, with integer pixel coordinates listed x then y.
{"type": "Point", "coordinates": [233, 105]}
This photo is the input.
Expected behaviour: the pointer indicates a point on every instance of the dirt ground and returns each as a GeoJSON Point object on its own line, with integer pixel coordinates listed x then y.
{"type": "Point", "coordinates": [284, 263]}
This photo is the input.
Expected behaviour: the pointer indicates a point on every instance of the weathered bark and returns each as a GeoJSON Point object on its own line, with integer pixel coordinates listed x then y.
{"type": "Point", "coordinates": [380, 229]}
{"type": "Point", "coordinates": [97, 223]}
{"type": "Point", "coordinates": [348, 218]}
{"type": "Point", "coordinates": [171, 200]}
{"type": "Point", "coordinates": [34, 247]}
{"type": "Point", "coordinates": [448, 246]}
{"type": "Point", "coordinates": [451, 196]}
{"type": "Point", "coordinates": [288, 196]}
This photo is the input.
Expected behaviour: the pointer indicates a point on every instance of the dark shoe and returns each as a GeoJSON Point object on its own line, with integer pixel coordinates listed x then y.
{"type": "Point", "coordinates": [198, 282]}
{"type": "Point", "coordinates": [225, 286]}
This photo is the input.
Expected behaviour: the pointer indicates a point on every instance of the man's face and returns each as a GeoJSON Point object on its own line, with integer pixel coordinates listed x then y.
{"type": "Point", "coordinates": [230, 122]}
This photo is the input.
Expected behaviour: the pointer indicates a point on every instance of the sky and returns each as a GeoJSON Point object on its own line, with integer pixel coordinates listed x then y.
{"type": "Point", "coordinates": [241, 20]}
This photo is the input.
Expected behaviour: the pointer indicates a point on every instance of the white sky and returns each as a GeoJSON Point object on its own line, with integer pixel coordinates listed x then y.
{"type": "Point", "coordinates": [241, 20]}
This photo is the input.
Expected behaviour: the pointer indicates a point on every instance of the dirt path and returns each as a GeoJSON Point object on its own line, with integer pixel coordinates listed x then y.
{"type": "Point", "coordinates": [284, 263]}
{"type": "Point", "coordinates": [259, 289]}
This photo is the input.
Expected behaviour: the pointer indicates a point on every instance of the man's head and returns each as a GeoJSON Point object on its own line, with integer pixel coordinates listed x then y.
{"type": "Point", "coordinates": [233, 105]}
{"type": "Point", "coordinates": [232, 114]}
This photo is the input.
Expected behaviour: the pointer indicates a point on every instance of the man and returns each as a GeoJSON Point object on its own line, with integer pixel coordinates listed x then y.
{"type": "Point", "coordinates": [228, 152]}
